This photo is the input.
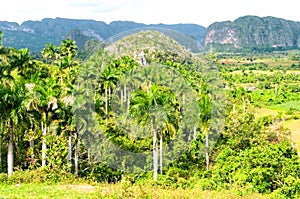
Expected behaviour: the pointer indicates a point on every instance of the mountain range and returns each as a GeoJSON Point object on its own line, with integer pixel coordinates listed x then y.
{"type": "Point", "coordinates": [244, 33]}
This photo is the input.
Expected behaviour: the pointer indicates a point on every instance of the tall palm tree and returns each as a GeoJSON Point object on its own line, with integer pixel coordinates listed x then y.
{"type": "Point", "coordinates": [68, 49]}
{"type": "Point", "coordinates": [43, 100]}
{"type": "Point", "coordinates": [240, 96]}
{"type": "Point", "coordinates": [150, 107]}
{"type": "Point", "coordinates": [12, 69]}
{"type": "Point", "coordinates": [205, 118]}
{"type": "Point", "coordinates": [50, 52]}
{"type": "Point", "coordinates": [108, 79]}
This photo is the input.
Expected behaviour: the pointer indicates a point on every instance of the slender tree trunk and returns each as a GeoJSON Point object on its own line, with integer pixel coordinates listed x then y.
{"type": "Point", "coordinates": [206, 151]}
{"type": "Point", "coordinates": [244, 104]}
{"type": "Point", "coordinates": [89, 154]}
{"type": "Point", "coordinates": [128, 102]}
{"type": "Point", "coordinates": [0, 149]}
{"type": "Point", "coordinates": [125, 97]}
{"type": "Point", "coordinates": [70, 151]}
{"type": "Point", "coordinates": [10, 153]}
{"type": "Point", "coordinates": [31, 143]}
{"type": "Point", "coordinates": [108, 97]}
{"type": "Point", "coordinates": [44, 146]}
{"type": "Point", "coordinates": [76, 153]}
{"type": "Point", "coordinates": [161, 153]}
{"type": "Point", "coordinates": [106, 102]}
{"type": "Point", "coordinates": [155, 155]}
{"type": "Point", "coordinates": [121, 97]}
{"type": "Point", "coordinates": [195, 133]}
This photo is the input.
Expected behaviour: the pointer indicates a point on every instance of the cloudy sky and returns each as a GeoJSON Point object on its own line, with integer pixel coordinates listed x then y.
{"type": "Point", "coordinates": [148, 11]}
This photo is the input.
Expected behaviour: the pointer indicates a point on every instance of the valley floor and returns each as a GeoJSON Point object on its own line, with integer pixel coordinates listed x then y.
{"type": "Point", "coordinates": [120, 190]}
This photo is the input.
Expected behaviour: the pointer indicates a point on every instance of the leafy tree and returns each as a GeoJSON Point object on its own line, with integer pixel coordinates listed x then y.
{"type": "Point", "coordinates": [51, 52]}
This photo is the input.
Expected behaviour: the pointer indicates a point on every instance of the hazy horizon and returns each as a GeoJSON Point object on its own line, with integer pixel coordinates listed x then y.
{"type": "Point", "coordinates": [147, 11]}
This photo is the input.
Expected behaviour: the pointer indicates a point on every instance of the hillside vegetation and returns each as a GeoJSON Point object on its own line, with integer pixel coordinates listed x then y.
{"type": "Point", "coordinates": [245, 34]}
{"type": "Point", "coordinates": [35, 34]}
{"type": "Point", "coordinates": [144, 117]}
{"type": "Point", "coordinates": [253, 33]}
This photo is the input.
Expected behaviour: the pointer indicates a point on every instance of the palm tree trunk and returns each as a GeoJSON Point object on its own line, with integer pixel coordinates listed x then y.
{"type": "Point", "coordinates": [1, 151]}
{"type": "Point", "coordinates": [10, 153]}
{"type": "Point", "coordinates": [125, 93]}
{"type": "Point", "coordinates": [44, 146]}
{"type": "Point", "coordinates": [0, 148]}
{"type": "Point", "coordinates": [106, 103]}
{"type": "Point", "coordinates": [206, 151]}
{"type": "Point", "coordinates": [31, 143]}
{"type": "Point", "coordinates": [195, 133]}
{"type": "Point", "coordinates": [155, 155]}
{"type": "Point", "coordinates": [244, 104]}
{"type": "Point", "coordinates": [70, 151]}
{"type": "Point", "coordinates": [121, 97]}
{"type": "Point", "coordinates": [161, 152]}
{"type": "Point", "coordinates": [76, 153]}
{"type": "Point", "coordinates": [89, 154]}
{"type": "Point", "coordinates": [128, 102]}
{"type": "Point", "coordinates": [109, 95]}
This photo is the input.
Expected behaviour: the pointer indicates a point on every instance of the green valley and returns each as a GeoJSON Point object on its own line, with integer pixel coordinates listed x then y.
{"type": "Point", "coordinates": [144, 117]}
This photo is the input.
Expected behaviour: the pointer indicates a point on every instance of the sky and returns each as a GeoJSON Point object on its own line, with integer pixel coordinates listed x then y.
{"type": "Point", "coordinates": [148, 11]}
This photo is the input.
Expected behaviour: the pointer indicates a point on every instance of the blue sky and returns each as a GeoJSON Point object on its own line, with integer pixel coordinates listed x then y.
{"type": "Point", "coordinates": [147, 11]}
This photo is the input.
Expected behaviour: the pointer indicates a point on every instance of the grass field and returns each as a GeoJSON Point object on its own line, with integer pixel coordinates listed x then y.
{"type": "Point", "coordinates": [271, 62]}
{"type": "Point", "coordinates": [287, 106]}
{"type": "Point", "coordinates": [293, 125]}
{"type": "Point", "coordinates": [121, 190]}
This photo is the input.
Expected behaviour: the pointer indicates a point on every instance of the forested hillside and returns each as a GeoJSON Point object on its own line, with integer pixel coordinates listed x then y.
{"type": "Point", "coordinates": [253, 33]}
{"type": "Point", "coordinates": [35, 34]}
{"type": "Point", "coordinates": [246, 33]}
{"type": "Point", "coordinates": [144, 117]}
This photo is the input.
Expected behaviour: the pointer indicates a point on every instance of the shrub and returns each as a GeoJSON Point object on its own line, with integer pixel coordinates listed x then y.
{"type": "Point", "coordinates": [3, 178]}
{"type": "Point", "coordinates": [260, 169]}
{"type": "Point", "coordinates": [40, 175]}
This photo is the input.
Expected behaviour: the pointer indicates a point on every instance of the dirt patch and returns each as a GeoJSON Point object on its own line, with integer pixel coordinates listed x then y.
{"type": "Point", "coordinates": [81, 188]}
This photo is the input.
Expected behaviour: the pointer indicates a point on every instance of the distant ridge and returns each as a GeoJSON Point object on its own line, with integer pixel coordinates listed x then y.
{"type": "Point", "coordinates": [246, 33]}
{"type": "Point", "coordinates": [35, 34]}
{"type": "Point", "coordinates": [253, 33]}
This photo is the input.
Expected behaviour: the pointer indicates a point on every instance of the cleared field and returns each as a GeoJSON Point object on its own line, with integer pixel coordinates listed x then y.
{"type": "Point", "coordinates": [121, 190]}
{"type": "Point", "coordinates": [288, 106]}
{"type": "Point", "coordinates": [271, 62]}
{"type": "Point", "coordinates": [294, 127]}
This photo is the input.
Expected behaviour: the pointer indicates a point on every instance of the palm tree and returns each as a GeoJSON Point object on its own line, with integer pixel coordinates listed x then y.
{"type": "Point", "coordinates": [68, 47]}
{"type": "Point", "coordinates": [205, 117]}
{"type": "Point", "coordinates": [11, 98]}
{"type": "Point", "coordinates": [42, 99]}
{"type": "Point", "coordinates": [50, 52]}
{"type": "Point", "coordinates": [240, 96]}
{"type": "Point", "coordinates": [12, 69]}
{"type": "Point", "coordinates": [68, 50]}
{"type": "Point", "coordinates": [108, 79]}
{"type": "Point", "coordinates": [150, 107]}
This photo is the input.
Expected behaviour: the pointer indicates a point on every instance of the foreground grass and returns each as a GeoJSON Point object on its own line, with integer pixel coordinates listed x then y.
{"type": "Point", "coordinates": [120, 190]}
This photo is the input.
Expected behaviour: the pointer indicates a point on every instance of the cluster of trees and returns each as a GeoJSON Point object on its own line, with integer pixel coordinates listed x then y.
{"type": "Point", "coordinates": [36, 97]}
{"type": "Point", "coordinates": [61, 114]}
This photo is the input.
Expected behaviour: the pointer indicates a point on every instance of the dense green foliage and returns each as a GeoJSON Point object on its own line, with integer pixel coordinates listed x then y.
{"type": "Point", "coordinates": [60, 118]}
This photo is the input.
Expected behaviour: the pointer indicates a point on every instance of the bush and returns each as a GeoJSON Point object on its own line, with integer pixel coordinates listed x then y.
{"type": "Point", "coordinates": [290, 189]}
{"type": "Point", "coordinates": [40, 175]}
{"type": "Point", "coordinates": [3, 178]}
{"type": "Point", "coordinates": [260, 169]}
